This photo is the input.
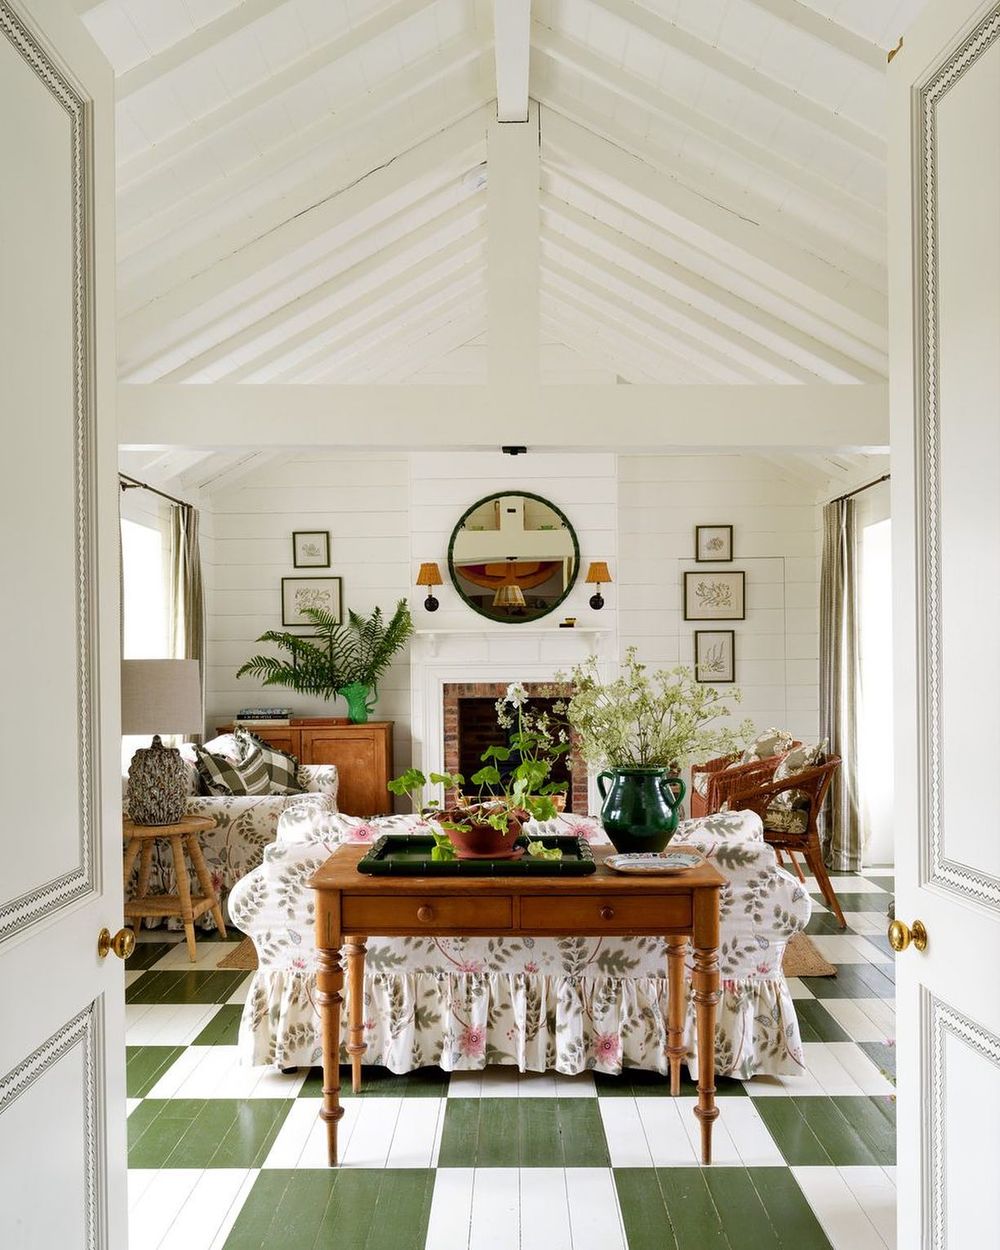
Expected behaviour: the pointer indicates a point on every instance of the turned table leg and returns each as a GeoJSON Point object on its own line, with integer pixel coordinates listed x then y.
{"type": "Point", "coordinates": [355, 950]}
{"type": "Point", "coordinates": [676, 948]}
{"type": "Point", "coordinates": [184, 894]}
{"type": "Point", "coordinates": [329, 984]}
{"type": "Point", "coordinates": [705, 983]}
{"type": "Point", "coordinates": [205, 881]}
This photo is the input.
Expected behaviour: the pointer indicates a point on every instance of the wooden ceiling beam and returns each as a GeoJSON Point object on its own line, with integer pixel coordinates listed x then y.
{"type": "Point", "coordinates": [624, 418]}
{"type": "Point", "coordinates": [799, 105]}
{"type": "Point", "coordinates": [807, 19]}
{"type": "Point", "coordinates": [422, 339]}
{"type": "Point", "coordinates": [511, 49]}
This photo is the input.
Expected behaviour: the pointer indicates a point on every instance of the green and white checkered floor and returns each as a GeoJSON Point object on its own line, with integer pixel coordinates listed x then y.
{"type": "Point", "coordinates": [225, 1156]}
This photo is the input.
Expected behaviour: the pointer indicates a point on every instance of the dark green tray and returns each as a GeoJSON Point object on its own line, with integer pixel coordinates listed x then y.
{"type": "Point", "coordinates": [409, 855]}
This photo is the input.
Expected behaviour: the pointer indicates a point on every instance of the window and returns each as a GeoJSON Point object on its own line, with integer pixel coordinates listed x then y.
{"type": "Point", "coordinates": [144, 593]}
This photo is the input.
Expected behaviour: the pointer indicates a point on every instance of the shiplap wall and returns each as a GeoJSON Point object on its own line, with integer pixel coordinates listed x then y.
{"type": "Point", "coordinates": [363, 502]}
{"type": "Point", "coordinates": [387, 513]}
{"type": "Point", "coordinates": [776, 541]}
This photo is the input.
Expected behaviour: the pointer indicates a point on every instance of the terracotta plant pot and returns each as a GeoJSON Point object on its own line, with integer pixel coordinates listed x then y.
{"type": "Point", "coordinates": [482, 841]}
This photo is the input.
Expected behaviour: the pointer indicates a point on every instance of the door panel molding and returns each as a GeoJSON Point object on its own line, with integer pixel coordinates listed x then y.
{"type": "Point", "coordinates": [18, 913]}
{"type": "Point", "coordinates": [938, 1021]}
{"type": "Point", "coordinates": [936, 867]}
{"type": "Point", "coordinates": [83, 1030]}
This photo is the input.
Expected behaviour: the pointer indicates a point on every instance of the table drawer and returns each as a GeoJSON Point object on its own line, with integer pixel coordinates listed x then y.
{"type": "Point", "coordinates": [376, 915]}
{"type": "Point", "coordinates": [590, 913]}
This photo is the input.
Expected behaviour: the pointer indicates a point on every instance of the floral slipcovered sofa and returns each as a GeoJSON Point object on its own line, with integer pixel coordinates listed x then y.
{"type": "Point", "coordinates": [567, 1004]}
{"type": "Point", "coordinates": [243, 825]}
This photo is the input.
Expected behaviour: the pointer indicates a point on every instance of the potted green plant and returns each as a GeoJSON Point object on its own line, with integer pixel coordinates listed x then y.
{"type": "Point", "coordinates": [339, 658]}
{"type": "Point", "coordinates": [641, 728]}
{"type": "Point", "coordinates": [513, 786]}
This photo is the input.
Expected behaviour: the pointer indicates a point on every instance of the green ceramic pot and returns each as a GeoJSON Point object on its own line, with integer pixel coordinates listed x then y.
{"type": "Point", "coordinates": [360, 701]}
{"type": "Point", "coordinates": [640, 807]}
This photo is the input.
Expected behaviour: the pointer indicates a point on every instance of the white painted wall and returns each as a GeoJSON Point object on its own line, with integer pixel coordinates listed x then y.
{"type": "Point", "coordinates": [776, 541]}
{"type": "Point", "coordinates": [388, 513]}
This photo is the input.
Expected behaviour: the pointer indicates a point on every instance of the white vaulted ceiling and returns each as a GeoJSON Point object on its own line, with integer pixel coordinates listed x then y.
{"type": "Point", "coordinates": [301, 188]}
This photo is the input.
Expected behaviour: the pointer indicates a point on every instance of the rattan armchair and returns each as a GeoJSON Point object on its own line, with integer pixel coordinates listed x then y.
{"type": "Point", "coordinates": [813, 784]}
{"type": "Point", "coordinates": [722, 779]}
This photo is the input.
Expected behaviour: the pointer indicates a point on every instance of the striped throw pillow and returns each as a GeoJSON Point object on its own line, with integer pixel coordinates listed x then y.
{"type": "Point", "coordinates": [224, 776]}
{"type": "Point", "coordinates": [282, 768]}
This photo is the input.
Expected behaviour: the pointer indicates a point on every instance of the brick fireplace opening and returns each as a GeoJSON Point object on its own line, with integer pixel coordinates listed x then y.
{"type": "Point", "coordinates": [470, 726]}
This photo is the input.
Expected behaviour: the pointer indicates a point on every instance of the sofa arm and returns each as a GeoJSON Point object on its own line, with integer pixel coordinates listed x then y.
{"type": "Point", "coordinates": [319, 779]}
{"type": "Point", "coordinates": [741, 826]}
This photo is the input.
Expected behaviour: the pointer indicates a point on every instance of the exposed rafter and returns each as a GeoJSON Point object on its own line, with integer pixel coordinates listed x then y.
{"type": "Point", "coordinates": [511, 50]}
{"type": "Point", "coordinates": [801, 16]}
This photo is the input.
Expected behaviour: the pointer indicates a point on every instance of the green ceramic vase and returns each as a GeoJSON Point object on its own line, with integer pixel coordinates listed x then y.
{"type": "Point", "coordinates": [640, 807]}
{"type": "Point", "coordinates": [360, 701]}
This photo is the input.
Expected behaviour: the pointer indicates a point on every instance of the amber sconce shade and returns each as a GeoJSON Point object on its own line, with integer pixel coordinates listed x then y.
{"type": "Point", "coordinates": [598, 574]}
{"type": "Point", "coordinates": [429, 576]}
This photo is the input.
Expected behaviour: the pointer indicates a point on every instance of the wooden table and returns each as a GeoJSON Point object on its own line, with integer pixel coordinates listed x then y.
{"type": "Point", "coordinates": [350, 904]}
{"type": "Point", "coordinates": [182, 836]}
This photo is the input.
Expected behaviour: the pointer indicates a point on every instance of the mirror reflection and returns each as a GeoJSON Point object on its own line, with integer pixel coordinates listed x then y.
{"type": "Point", "coordinates": [513, 557]}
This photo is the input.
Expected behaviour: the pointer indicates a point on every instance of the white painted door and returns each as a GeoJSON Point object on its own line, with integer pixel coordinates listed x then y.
{"type": "Point", "coordinates": [62, 1096]}
{"type": "Point", "coordinates": [944, 213]}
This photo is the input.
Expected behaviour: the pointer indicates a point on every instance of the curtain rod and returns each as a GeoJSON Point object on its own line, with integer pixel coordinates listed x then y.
{"type": "Point", "coordinates": [133, 483]}
{"type": "Point", "coordinates": [857, 491]}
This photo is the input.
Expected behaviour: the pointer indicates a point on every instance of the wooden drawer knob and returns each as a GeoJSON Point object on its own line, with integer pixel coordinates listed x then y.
{"type": "Point", "coordinates": [607, 913]}
{"type": "Point", "coordinates": [425, 913]}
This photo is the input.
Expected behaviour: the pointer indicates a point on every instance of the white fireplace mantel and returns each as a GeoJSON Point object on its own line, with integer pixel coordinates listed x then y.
{"type": "Point", "coordinates": [593, 636]}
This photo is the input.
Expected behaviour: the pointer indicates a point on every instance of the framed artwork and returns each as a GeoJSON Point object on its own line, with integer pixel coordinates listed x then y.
{"type": "Point", "coordinates": [713, 544]}
{"type": "Point", "coordinates": [311, 549]}
{"type": "Point", "coordinates": [714, 655]}
{"type": "Point", "coordinates": [714, 596]}
{"type": "Point", "coordinates": [299, 593]}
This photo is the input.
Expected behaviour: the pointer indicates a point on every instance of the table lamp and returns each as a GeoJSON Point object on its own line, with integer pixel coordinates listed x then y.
{"type": "Point", "coordinates": [159, 696]}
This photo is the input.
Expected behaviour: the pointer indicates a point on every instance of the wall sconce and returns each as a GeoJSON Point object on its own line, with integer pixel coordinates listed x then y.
{"type": "Point", "coordinates": [509, 595]}
{"type": "Point", "coordinates": [597, 575]}
{"type": "Point", "coordinates": [429, 576]}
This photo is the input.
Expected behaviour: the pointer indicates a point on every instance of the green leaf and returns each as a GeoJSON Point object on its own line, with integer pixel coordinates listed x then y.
{"type": "Point", "coordinates": [405, 783]}
{"type": "Point", "coordinates": [540, 851]}
{"type": "Point", "coordinates": [487, 776]}
{"type": "Point", "coordinates": [495, 753]}
{"type": "Point", "coordinates": [450, 781]}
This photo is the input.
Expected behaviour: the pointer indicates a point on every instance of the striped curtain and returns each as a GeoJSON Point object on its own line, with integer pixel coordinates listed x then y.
{"type": "Point", "coordinates": [839, 683]}
{"type": "Point", "coordinates": [187, 600]}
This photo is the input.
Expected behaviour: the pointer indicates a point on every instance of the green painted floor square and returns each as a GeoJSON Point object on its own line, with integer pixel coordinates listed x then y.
{"type": "Point", "coordinates": [523, 1133]}
{"type": "Point", "coordinates": [381, 1083]}
{"type": "Point", "coordinates": [883, 1055]}
{"type": "Point", "coordinates": [204, 1133]}
{"type": "Point", "coordinates": [185, 987]}
{"type": "Point", "coordinates": [816, 1024]}
{"type": "Point", "coordinates": [822, 923]}
{"type": "Point", "coordinates": [839, 1132]}
{"type": "Point", "coordinates": [858, 902]}
{"type": "Point", "coordinates": [716, 1209]}
{"type": "Point", "coordinates": [638, 1083]}
{"type": "Point", "coordinates": [144, 1065]}
{"type": "Point", "coordinates": [359, 1208]}
{"type": "Point", "coordinates": [146, 954]}
{"type": "Point", "coordinates": [222, 1029]}
{"type": "Point", "coordinates": [861, 980]}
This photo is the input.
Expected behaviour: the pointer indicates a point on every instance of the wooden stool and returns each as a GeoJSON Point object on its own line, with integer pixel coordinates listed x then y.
{"type": "Point", "coordinates": [183, 834]}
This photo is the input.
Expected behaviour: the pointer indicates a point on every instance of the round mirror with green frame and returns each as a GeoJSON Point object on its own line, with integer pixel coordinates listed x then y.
{"type": "Point", "coordinates": [513, 557]}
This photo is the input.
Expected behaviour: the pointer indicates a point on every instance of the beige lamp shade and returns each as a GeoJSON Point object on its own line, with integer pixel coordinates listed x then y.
{"type": "Point", "coordinates": [429, 575]}
{"type": "Point", "coordinates": [509, 595]}
{"type": "Point", "coordinates": [161, 697]}
{"type": "Point", "coordinates": [599, 573]}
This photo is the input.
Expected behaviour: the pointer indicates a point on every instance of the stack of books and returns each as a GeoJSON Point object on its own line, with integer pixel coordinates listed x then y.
{"type": "Point", "coordinates": [264, 716]}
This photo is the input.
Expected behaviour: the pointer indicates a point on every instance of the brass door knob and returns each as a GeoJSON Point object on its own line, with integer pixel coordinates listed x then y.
{"type": "Point", "coordinates": [607, 913]}
{"type": "Point", "coordinates": [901, 935]}
{"type": "Point", "coordinates": [425, 913]}
{"type": "Point", "coordinates": [123, 943]}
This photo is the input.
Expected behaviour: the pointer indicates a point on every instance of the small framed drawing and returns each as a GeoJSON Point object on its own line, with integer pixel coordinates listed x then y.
{"type": "Point", "coordinates": [311, 549]}
{"type": "Point", "coordinates": [300, 593]}
{"type": "Point", "coordinates": [714, 655]}
{"type": "Point", "coordinates": [714, 596]}
{"type": "Point", "coordinates": [713, 544]}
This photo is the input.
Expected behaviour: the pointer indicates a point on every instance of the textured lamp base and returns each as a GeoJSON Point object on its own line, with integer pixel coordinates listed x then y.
{"type": "Point", "coordinates": [157, 785]}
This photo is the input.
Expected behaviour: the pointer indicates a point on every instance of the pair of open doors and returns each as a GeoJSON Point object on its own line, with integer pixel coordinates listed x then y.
{"type": "Point", "coordinates": [62, 1094]}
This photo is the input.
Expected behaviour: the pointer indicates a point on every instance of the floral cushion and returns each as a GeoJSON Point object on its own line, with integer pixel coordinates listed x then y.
{"type": "Point", "coordinates": [786, 819]}
{"type": "Point", "coordinates": [565, 1003]}
{"type": "Point", "coordinates": [797, 761]}
{"type": "Point", "coordinates": [770, 742]}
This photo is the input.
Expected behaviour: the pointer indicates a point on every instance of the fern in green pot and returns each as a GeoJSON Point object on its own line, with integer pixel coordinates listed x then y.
{"type": "Point", "coordinates": [340, 658]}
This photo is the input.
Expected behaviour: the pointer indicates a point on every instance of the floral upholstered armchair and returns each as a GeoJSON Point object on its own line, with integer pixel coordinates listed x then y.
{"type": "Point", "coordinates": [568, 1004]}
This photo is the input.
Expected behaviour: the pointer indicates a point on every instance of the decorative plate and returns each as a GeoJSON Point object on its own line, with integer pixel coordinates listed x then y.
{"type": "Point", "coordinates": [659, 862]}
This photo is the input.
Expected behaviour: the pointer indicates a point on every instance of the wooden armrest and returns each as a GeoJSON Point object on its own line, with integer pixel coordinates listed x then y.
{"type": "Point", "coordinates": [810, 780]}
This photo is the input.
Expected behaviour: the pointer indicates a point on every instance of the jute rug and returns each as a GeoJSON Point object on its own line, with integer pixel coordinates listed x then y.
{"type": "Point", "coordinates": [802, 959]}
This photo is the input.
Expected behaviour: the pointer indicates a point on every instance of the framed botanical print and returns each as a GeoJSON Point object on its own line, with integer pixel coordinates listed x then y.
{"type": "Point", "coordinates": [311, 549]}
{"type": "Point", "coordinates": [715, 655]}
{"type": "Point", "coordinates": [714, 596]}
{"type": "Point", "coordinates": [713, 544]}
{"type": "Point", "coordinates": [301, 593]}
